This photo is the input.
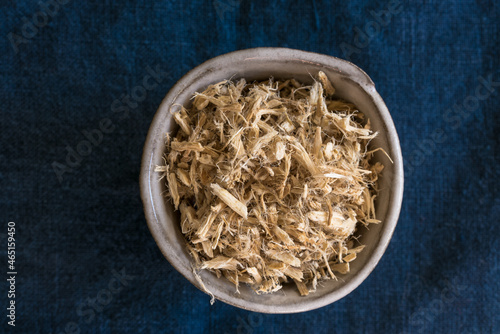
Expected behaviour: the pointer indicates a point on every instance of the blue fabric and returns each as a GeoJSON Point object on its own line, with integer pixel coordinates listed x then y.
{"type": "Point", "coordinates": [86, 261]}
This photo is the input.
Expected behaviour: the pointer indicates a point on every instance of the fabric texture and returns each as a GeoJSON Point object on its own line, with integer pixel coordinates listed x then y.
{"type": "Point", "coordinates": [81, 81]}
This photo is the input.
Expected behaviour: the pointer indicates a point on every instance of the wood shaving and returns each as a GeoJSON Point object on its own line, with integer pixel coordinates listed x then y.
{"type": "Point", "coordinates": [272, 180]}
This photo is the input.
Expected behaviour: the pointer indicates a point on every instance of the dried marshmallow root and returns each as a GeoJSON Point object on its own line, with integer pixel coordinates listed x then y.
{"type": "Point", "coordinates": [272, 180]}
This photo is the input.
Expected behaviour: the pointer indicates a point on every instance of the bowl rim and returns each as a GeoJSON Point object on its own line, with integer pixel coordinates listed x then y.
{"type": "Point", "coordinates": [397, 183]}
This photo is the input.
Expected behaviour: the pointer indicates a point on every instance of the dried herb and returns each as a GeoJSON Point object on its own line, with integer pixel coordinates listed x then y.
{"type": "Point", "coordinates": [272, 179]}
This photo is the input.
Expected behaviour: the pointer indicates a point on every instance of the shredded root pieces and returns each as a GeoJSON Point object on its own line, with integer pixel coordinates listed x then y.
{"type": "Point", "coordinates": [272, 179]}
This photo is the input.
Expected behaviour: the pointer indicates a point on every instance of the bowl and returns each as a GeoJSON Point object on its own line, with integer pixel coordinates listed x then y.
{"type": "Point", "coordinates": [351, 84]}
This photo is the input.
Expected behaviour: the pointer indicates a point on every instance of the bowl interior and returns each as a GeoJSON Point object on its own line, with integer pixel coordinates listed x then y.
{"type": "Point", "coordinates": [259, 64]}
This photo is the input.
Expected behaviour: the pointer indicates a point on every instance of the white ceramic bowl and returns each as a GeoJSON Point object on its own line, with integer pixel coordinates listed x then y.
{"type": "Point", "coordinates": [351, 84]}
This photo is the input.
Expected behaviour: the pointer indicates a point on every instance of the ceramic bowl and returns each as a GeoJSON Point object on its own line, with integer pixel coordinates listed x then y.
{"type": "Point", "coordinates": [351, 84]}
